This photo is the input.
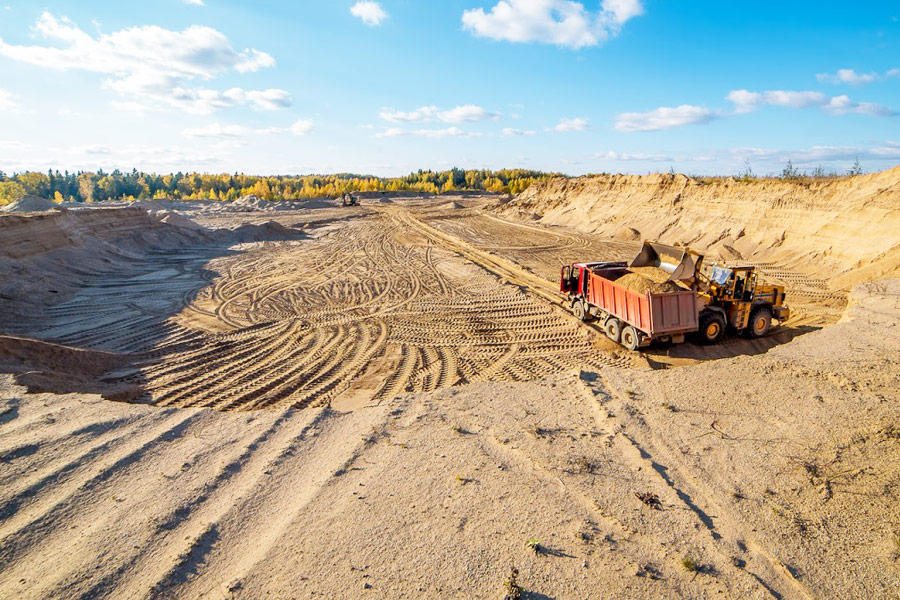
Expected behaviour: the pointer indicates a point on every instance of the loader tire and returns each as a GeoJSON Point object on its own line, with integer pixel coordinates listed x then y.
{"type": "Point", "coordinates": [712, 326]}
{"type": "Point", "coordinates": [613, 329]}
{"type": "Point", "coordinates": [760, 322]}
{"type": "Point", "coordinates": [630, 338]}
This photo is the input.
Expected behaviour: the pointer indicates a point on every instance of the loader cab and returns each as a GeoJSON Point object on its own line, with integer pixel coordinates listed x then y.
{"type": "Point", "coordinates": [733, 284]}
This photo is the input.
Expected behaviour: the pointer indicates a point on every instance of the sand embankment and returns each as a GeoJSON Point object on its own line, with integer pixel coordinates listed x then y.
{"type": "Point", "coordinates": [843, 230]}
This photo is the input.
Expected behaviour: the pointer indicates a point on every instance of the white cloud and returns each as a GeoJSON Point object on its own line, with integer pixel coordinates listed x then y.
{"type": "Point", "coordinates": [301, 127]}
{"type": "Point", "coordinates": [577, 124]}
{"type": "Point", "coordinates": [7, 102]}
{"type": "Point", "coordinates": [194, 2]}
{"type": "Point", "coordinates": [216, 130]}
{"type": "Point", "coordinates": [893, 73]}
{"type": "Point", "coordinates": [559, 22]}
{"type": "Point", "coordinates": [427, 133]}
{"type": "Point", "coordinates": [665, 118]}
{"type": "Point", "coordinates": [511, 131]}
{"type": "Point", "coordinates": [626, 157]}
{"type": "Point", "coordinates": [152, 66]}
{"type": "Point", "coordinates": [815, 155]}
{"type": "Point", "coordinates": [466, 113]}
{"type": "Point", "coordinates": [426, 113]}
{"type": "Point", "coordinates": [460, 114]}
{"type": "Point", "coordinates": [369, 12]}
{"type": "Point", "coordinates": [745, 102]}
{"type": "Point", "coordinates": [847, 76]}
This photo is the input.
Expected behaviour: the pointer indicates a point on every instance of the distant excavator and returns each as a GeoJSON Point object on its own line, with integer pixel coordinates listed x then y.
{"type": "Point", "coordinates": [725, 296]}
{"type": "Point", "coordinates": [348, 200]}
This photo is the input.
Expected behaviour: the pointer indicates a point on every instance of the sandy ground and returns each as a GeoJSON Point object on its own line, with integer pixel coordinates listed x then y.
{"type": "Point", "coordinates": [422, 424]}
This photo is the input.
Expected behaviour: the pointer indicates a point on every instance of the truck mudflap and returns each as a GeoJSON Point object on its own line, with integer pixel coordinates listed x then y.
{"type": "Point", "coordinates": [677, 262]}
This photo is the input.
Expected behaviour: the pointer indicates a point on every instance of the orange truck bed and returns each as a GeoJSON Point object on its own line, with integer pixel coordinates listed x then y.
{"type": "Point", "coordinates": [654, 314]}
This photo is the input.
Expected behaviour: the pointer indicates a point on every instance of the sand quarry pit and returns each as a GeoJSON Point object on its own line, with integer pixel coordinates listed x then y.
{"type": "Point", "coordinates": [388, 401]}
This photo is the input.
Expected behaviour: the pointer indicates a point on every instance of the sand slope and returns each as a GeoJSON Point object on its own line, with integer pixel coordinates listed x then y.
{"type": "Point", "coordinates": [843, 231]}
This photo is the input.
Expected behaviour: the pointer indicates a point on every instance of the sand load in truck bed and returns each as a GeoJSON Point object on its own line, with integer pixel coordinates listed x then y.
{"type": "Point", "coordinates": [649, 279]}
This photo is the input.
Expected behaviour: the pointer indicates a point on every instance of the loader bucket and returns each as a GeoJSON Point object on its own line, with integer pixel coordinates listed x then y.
{"type": "Point", "coordinates": [677, 262]}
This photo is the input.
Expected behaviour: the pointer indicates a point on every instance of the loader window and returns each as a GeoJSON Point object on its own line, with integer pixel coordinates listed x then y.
{"type": "Point", "coordinates": [720, 275]}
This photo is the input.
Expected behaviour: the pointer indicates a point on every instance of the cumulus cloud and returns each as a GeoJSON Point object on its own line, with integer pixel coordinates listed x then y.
{"type": "Point", "coordinates": [217, 130]}
{"type": "Point", "coordinates": [427, 133]}
{"type": "Point", "coordinates": [512, 131]}
{"type": "Point", "coordinates": [745, 102]}
{"type": "Point", "coordinates": [577, 124]}
{"type": "Point", "coordinates": [665, 118]}
{"type": "Point", "coordinates": [152, 66]}
{"type": "Point", "coordinates": [369, 12]}
{"type": "Point", "coordinates": [847, 76]}
{"type": "Point", "coordinates": [459, 114]}
{"type": "Point", "coordinates": [466, 113]}
{"type": "Point", "coordinates": [560, 22]}
{"type": "Point", "coordinates": [194, 2]}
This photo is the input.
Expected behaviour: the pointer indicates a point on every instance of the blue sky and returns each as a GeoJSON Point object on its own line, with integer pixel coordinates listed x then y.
{"type": "Point", "coordinates": [388, 87]}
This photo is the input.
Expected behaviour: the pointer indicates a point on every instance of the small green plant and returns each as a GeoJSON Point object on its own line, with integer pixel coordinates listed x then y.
{"type": "Point", "coordinates": [790, 171]}
{"type": "Point", "coordinates": [512, 587]}
{"type": "Point", "coordinates": [534, 545]}
{"type": "Point", "coordinates": [856, 169]}
{"type": "Point", "coordinates": [690, 565]}
{"type": "Point", "coordinates": [462, 479]}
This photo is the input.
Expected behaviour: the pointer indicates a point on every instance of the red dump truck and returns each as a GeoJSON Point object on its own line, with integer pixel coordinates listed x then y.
{"type": "Point", "coordinates": [628, 317]}
{"type": "Point", "coordinates": [705, 304]}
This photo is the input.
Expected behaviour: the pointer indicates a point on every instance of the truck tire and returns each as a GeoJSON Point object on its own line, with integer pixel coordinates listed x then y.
{"type": "Point", "coordinates": [613, 329]}
{"type": "Point", "coordinates": [712, 326]}
{"type": "Point", "coordinates": [579, 310]}
{"type": "Point", "coordinates": [630, 338]}
{"type": "Point", "coordinates": [760, 322]}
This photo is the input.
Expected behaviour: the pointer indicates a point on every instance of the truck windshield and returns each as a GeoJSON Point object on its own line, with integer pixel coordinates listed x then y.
{"type": "Point", "coordinates": [720, 275]}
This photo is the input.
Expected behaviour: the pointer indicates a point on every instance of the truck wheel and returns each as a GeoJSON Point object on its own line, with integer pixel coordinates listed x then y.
{"type": "Point", "coordinates": [613, 329]}
{"type": "Point", "coordinates": [579, 311]}
{"type": "Point", "coordinates": [630, 338]}
{"type": "Point", "coordinates": [760, 322]}
{"type": "Point", "coordinates": [712, 326]}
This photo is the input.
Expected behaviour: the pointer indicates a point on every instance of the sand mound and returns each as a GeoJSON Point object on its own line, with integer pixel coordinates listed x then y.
{"type": "Point", "coordinates": [841, 230]}
{"type": "Point", "coordinates": [269, 231]}
{"type": "Point", "coordinates": [30, 204]}
{"type": "Point", "coordinates": [451, 206]}
{"type": "Point", "coordinates": [638, 282]}
{"type": "Point", "coordinates": [627, 234]}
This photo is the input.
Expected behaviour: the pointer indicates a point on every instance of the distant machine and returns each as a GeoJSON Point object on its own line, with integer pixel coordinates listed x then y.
{"type": "Point", "coordinates": [708, 302]}
{"type": "Point", "coordinates": [348, 200]}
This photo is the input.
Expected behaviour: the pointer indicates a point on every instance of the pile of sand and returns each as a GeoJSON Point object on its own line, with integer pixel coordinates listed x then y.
{"type": "Point", "coordinates": [30, 204]}
{"type": "Point", "coordinates": [451, 206]}
{"type": "Point", "coordinates": [638, 282]}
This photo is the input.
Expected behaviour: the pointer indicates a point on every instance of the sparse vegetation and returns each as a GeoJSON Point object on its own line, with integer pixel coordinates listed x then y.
{"type": "Point", "coordinates": [511, 586]}
{"type": "Point", "coordinates": [534, 545]}
{"type": "Point", "coordinates": [690, 565]}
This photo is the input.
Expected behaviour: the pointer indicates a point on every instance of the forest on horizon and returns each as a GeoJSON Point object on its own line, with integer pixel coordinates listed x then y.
{"type": "Point", "coordinates": [136, 185]}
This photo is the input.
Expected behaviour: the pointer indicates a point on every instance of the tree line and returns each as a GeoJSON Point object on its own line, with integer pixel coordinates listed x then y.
{"type": "Point", "coordinates": [135, 185]}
